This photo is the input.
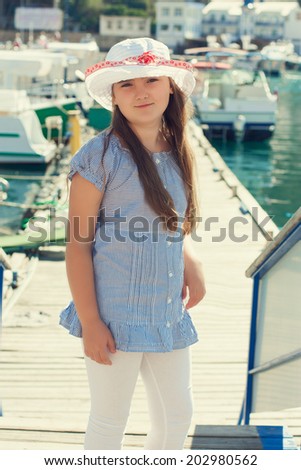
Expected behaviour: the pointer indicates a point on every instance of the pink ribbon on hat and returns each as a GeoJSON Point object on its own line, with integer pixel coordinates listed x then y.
{"type": "Point", "coordinates": [144, 59]}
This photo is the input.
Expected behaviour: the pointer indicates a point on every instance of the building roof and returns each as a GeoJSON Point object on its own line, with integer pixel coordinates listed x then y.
{"type": "Point", "coordinates": [284, 8]}
{"type": "Point", "coordinates": [233, 8]}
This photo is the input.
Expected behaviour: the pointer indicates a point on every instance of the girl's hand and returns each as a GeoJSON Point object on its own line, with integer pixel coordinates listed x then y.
{"type": "Point", "coordinates": [98, 342]}
{"type": "Point", "coordinates": [194, 282]}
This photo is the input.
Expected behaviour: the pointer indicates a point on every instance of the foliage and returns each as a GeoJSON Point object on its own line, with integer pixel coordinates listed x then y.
{"type": "Point", "coordinates": [125, 8]}
{"type": "Point", "coordinates": [135, 4]}
{"type": "Point", "coordinates": [85, 13]}
{"type": "Point", "coordinates": [122, 10]}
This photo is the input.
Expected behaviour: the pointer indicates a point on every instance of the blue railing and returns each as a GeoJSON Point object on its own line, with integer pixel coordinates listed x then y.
{"type": "Point", "coordinates": [287, 239]}
{"type": "Point", "coordinates": [220, 21]}
{"type": "Point", "coordinates": [270, 24]}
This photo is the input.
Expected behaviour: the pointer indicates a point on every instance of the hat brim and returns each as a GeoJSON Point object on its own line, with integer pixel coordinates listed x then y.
{"type": "Point", "coordinates": [99, 83]}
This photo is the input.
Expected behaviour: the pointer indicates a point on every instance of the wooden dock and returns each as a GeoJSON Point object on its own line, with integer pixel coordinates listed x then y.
{"type": "Point", "coordinates": [44, 390]}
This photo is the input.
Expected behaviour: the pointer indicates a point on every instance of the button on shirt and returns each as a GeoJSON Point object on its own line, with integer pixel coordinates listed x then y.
{"type": "Point", "coordinates": [138, 265]}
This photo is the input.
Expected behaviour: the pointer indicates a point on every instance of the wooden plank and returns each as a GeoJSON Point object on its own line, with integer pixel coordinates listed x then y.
{"type": "Point", "coordinates": [41, 436]}
{"type": "Point", "coordinates": [209, 431]}
{"type": "Point", "coordinates": [219, 440]}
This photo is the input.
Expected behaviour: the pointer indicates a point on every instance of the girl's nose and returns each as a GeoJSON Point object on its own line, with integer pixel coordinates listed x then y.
{"type": "Point", "coordinates": [141, 92]}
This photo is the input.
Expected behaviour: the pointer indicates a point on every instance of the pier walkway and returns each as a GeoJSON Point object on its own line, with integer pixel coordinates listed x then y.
{"type": "Point", "coordinates": [44, 391]}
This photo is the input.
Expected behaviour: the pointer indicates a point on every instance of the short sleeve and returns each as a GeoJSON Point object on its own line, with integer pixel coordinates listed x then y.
{"type": "Point", "coordinates": [87, 162]}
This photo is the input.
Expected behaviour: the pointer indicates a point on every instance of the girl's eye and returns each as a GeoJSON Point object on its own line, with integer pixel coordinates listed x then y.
{"type": "Point", "coordinates": [153, 79]}
{"type": "Point", "coordinates": [126, 84]}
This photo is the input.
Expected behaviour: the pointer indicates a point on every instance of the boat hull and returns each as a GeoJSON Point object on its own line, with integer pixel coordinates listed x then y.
{"type": "Point", "coordinates": [238, 104]}
{"type": "Point", "coordinates": [22, 141]}
{"type": "Point", "coordinates": [223, 125]}
{"type": "Point", "coordinates": [55, 108]}
{"type": "Point", "coordinates": [228, 132]}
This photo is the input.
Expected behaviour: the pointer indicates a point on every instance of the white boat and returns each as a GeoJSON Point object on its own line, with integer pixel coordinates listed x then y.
{"type": "Point", "coordinates": [32, 92]}
{"type": "Point", "coordinates": [293, 62]}
{"type": "Point", "coordinates": [274, 56]}
{"type": "Point", "coordinates": [80, 55]}
{"type": "Point", "coordinates": [21, 136]}
{"type": "Point", "coordinates": [236, 104]}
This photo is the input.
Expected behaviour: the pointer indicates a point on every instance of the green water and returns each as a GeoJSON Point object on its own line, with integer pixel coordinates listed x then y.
{"type": "Point", "coordinates": [19, 192]}
{"type": "Point", "coordinates": [271, 170]}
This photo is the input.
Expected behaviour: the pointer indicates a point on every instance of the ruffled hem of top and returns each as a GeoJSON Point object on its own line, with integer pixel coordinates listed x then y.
{"type": "Point", "coordinates": [139, 338]}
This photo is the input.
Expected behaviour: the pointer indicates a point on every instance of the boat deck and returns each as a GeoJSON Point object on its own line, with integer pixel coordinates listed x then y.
{"type": "Point", "coordinates": [44, 391]}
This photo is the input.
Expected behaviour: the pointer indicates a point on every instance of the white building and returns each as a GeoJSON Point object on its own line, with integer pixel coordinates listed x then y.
{"type": "Point", "coordinates": [178, 21]}
{"type": "Point", "coordinates": [124, 26]}
{"type": "Point", "coordinates": [292, 30]}
{"type": "Point", "coordinates": [271, 19]}
{"type": "Point", "coordinates": [222, 18]}
{"type": "Point", "coordinates": [260, 20]}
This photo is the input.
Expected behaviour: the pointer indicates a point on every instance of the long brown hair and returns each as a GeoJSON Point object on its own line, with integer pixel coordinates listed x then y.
{"type": "Point", "coordinates": [175, 118]}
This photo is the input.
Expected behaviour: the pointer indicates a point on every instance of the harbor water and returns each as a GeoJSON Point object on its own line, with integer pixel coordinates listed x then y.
{"type": "Point", "coordinates": [270, 170]}
{"type": "Point", "coordinates": [25, 182]}
{"type": "Point", "coordinates": [20, 191]}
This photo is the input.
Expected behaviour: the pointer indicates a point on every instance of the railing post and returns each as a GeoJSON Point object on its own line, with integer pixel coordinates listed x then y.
{"type": "Point", "coordinates": [1, 301]}
{"type": "Point", "coordinates": [1, 289]}
{"type": "Point", "coordinates": [251, 359]}
{"type": "Point", "coordinates": [4, 264]}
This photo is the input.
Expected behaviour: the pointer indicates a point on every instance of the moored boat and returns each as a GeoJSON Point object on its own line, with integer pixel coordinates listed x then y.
{"type": "Point", "coordinates": [236, 104]}
{"type": "Point", "coordinates": [21, 137]}
{"type": "Point", "coordinates": [274, 57]}
{"type": "Point", "coordinates": [38, 78]}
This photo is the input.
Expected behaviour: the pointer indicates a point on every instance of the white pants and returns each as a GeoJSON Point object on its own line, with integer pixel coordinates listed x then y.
{"type": "Point", "coordinates": [166, 377]}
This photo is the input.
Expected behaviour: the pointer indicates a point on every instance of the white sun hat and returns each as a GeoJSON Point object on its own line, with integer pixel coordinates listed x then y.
{"type": "Point", "coordinates": [136, 58]}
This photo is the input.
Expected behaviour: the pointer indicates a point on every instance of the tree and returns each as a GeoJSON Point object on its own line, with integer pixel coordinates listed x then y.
{"type": "Point", "coordinates": [83, 13]}
{"type": "Point", "coordinates": [128, 3]}
{"type": "Point", "coordinates": [126, 8]}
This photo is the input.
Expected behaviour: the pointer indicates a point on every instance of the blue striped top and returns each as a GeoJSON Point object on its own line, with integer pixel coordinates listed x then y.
{"type": "Point", "coordinates": [138, 265]}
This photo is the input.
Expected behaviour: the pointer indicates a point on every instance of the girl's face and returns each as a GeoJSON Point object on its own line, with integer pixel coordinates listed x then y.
{"type": "Point", "coordinates": [142, 100]}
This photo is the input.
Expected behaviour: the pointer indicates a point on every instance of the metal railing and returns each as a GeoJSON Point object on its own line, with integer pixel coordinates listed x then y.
{"type": "Point", "coordinates": [4, 264]}
{"type": "Point", "coordinates": [287, 239]}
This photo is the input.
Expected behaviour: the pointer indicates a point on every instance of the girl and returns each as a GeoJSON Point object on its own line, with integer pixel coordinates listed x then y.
{"type": "Point", "coordinates": [129, 260]}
